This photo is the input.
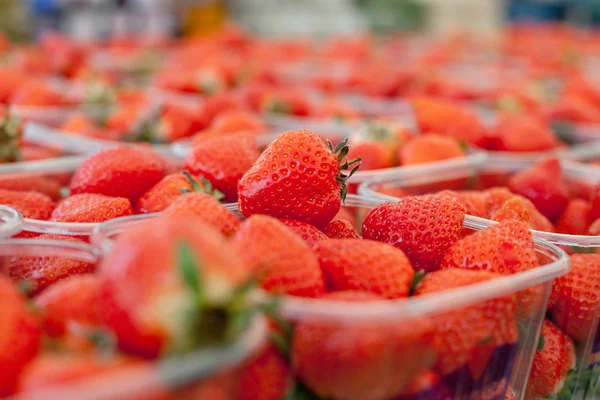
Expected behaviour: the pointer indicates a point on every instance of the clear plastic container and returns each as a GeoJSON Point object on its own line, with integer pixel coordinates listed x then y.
{"type": "Point", "coordinates": [11, 222]}
{"type": "Point", "coordinates": [140, 379]}
{"type": "Point", "coordinates": [508, 369]}
{"type": "Point", "coordinates": [496, 174]}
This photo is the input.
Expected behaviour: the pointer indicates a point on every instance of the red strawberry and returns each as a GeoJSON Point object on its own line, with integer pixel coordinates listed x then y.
{"type": "Point", "coordinates": [30, 204]}
{"type": "Point", "coordinates": [206, 208]}
{"type": "Point", "coordinates": [41, 184]}
{"type": "Point", "coordinates": [423, 227]}
{"type": "Point", "coordinates": [216, 105]}
{"type": "Point", "coordinates": [537, 220]}
{"type": "Point", "coordinates": [575, 218]}
{"type": "Point", "coordinates": [265, 377]}
{"type": "Point", "coordinates": [512, 210]}
{"type": "Point", "coordinates": [43, 271]}
{"type": "Point", "coordinates": [373, 361]}
{"type": "Point", "coordinates": [21, 336]}
{"type": "Point", "coordinates": [426, 386]}
{"type": "Point", "coordinates": [73, 300]}
{"type": "Point", "coordinates": [542, 184]}
{"type": "Point", "coordinates": [429, 148]}
{"type": "Point", "coordinates": [595, 202]}
{"type": "Point", "coordinates": [161, 195]}
{"type": "Point", "coordinates": [296, 177]}
{"type": "Point", "coordinates": [576, 296]}
{"type": "Point", "coordinates": [373, 155]}
{"type": "Point", "coordinates": [284, 262]}
{"type": "Point", "coordinates": [495, 198]}
{"type": "Point", "coordinates": [472, 201]}
{"type": "Point", "coordinates": [307, 232]}
{"type": "Point", "coordinates": [522, 133]}
{"type": "Point", "coordinates": [366, 265]}
{"type": "Point", "coordinates": [162, 278]}
{"type": "Point", "coordinates": [340, 229]}
{"type": "Point", "coordinates": [552, 364]}
{"type": "Point", "coordinates": [464, 332]}
{"type": "Point", "coordinates": [91, 207]}
{"type": "Point", "coordinates": [594, 228]}
{"type": "Point", "coordinates": [223, 160]}
{"type": "Point", "coordinates": [119, 172]}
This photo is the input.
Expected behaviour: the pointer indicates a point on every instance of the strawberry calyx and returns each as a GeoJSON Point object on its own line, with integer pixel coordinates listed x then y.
{"type": "Point", "coordinates": [148, 128]}
{"type": "Point", "coordinates": [277, 105]}
{"type": "Point", "coordinates": [541, 343]}
{"type": "Point", "coordinates": [218, 315]}
{"type": "Point", "coordinates": [577, 380]}
{"type": "Point", "coordinates": [203, 187]}
{"type": "Point", "coordinates": [341, 151]}
{"type": "Point", "coordinates": [11, 131]}
{"type": "Point", "coordinates": [417, 278]}
{"type": "Point", "coordinates": [378, 131]}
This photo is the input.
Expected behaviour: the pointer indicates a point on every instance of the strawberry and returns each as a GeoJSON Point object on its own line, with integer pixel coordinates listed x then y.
{"type": "Point", "coordinates": [373, 155]}
{"type": "Point", "coordinates": [223, 160]}
{"type": "Point", "coordinates": [542, 184]}
{"type": "Point", "coordinates": [490, 322]}
{"type": "Point", "coordinates": [429, 148]}
{"type": "Point", "coordinates": [161, 195]}
{"type": "Point", "coordinates": [366, 265]}
{"type": "Point", "coordinates": [595, 203]}
{"type": "Point", "coordinates": [284, 262]}
{"type": "Point", "coordinates": [495, 198]}
{"type": "Point", "coordinates": [237, 121]}
{"type": "Point", "coordinates": [537, 220]}
{"type": "Point", "coordinates": [91, 207]}
{"type": "Point", "coordinates": [340, 229]}
{"type": "Point", "coordinates": [346, 214]}
{"type": "Point", "coordinates": [73, 300]}
{"type": "Point", "coordinates": [164, 281]}
{"type": "Point", "coordinates": [575, 218]}
{"type": "Point", "coordinates": [472, 201]}
{"type": "Point", "coordinates": [552, 364]}
{"type": "Point", "coordinates": [307, 232]}
{"type": "Point", "coordinates": [423, 227]}
{"type": "Point", "coordinates": [119, 172]}
{"type": "Point", "coordinates": [11, 79]}
{"type": "Point", "coordinates": [373, 361]}
{"type": "Point", "coordinates": [266, 376]}
{"type": "Point", "coordinates": [426, 386]}
{"type": "Point", "coordinates": [575, 296]}
{"type": "Point", "coordinates": [522, 133]}
{"type": "Point", "coordinates": [80, 124]}
{"type": "Point", "coordinates": [297, 177]}
{"type": "Point", "coordinates": [386, 132]}
{"type": "Point", "coordinates": [216, 105]}
{"type": "Point", "coordinates": [448, 119]}
{"type": "Point", "coordinates": [42, 271]}
{"type": "Point", "coordinates": [163, 124]}
{"type": "Point", "coordinates": [35, 183]}
{"type": "Point", "coordinates": [30, 204]}
{"type": "Point", "coordinates": [21, 335]}
{"type": "Point", "coordinates": [206, 208]}
{"type": "Point", "coordinates": [37, 93]}
{"type": "Point", "coordinates": [594, 228]}
{"type": "Point", "coordinates": [11, 133]}
{"type": "Point", "coordinates": [512, 210]}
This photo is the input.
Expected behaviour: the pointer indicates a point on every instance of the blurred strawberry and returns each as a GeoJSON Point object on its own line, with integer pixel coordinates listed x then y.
{"type": "Point", "coordinates": [161, 195]}
{"type": "Point", "coordinates": [575, 218]}
{"type": "Point", "coordinates": [306, 231]}
{"type": "Point", "coordinates": [429, 148]}
{"type": "Point", "coordinates": [373, 155]}
{"type": "Point", "coordinates": [340, 229]}
{"type": "Point", "coordinates": [91, 207]}
{"type": "Point", "coordinates": [521, 133]}
{"type": "Point", "coordinates": [29, 204]}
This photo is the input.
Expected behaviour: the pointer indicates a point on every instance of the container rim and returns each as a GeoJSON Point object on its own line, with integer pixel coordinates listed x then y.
{"type": "Point", "coordinates": [295, 308]}
{"type": "Point", "coordinates": [11, 221]}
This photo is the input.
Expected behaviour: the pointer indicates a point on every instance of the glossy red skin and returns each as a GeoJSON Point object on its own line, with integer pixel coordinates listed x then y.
{"type": "Point", "coordinates": [595, 203]}
{"type": "Point", "coordinates": [266, 376]}
{"type": "Point", "coordinates": [374, 155]}
{"type": "Point", "coordinates": [91, 207]}
{"type": "Point", "coordinates": [72, 300]}
{"type": "Point", "coordinates": [429, 148]}
{"type": "Point", "coordinates": [307, 232]}
{"type": "Point", "coordinates": [20, 336]}
{"type": "Point", "coordinates": [120, 172]}
{"type": "Point", "coordinates": [340, 229]}
{"type": "Point", "coordinates": [161, 195]}
{"type": "Point", "coordinates": [343, 264]}
{"type": "Point", "coordinates": [295, 177]}
{"type": "Point", "coordinates": [30, 204]}
{"type": "Point", "coordinates": [521, 133]}
{"type": "Point", "coordinates": [41, 184]}
{"type": "Point", "coordinates": [215, 106]}
{"type": "Point", "coordinates": [423, 227]}
{"type": "Point", "coordinates": [223, 160]}
{"type": "Point", "coordinates": [576, 218]}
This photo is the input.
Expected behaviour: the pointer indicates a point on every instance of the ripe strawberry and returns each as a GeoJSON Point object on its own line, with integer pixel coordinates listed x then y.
{"type": "Point", "coordinates": [161, 195]}
{"type": "Point", "coordinates": [595, 202]}
{"type": "Point", "coordinates": [594, 228]}
{"type": "Point", "coordinates": [366, 265]}
{"type": "Point", "coordinates": [207, 209]}
{"type": "Point", "coordinates": [80, 124]}
{"type": "Point", "coordinates": [216, 105]}
{"type": "Point", "coordinates": [340, 229]}
{"type": "Point", "coordinates": [445, 118]}
{"type": "Point", "coordinates": [266, 376]}
{"type": "Point", "coordinates": [119, 172]}
{"type": "Point", "coordinates": [284, 262]}
{"type": "Point", "coordinates": [307, 232]}
{"type": "Point", "coordinates": [542, 184]}
{"type": "Point", "coordinates": [552, 364]}
{"type": "Point", "coordinates": [575, 218]}
{"type": "Point", "coordinates": [21, 335]}
{"type": "Point", "coordinates": [34, 183]}
{"type": "Point", "coordinates": [512, 210]}
{"type": "Point", "coordinates": [91, 207]}
{"type": "Point", "coordinates": [30, 204]}
{"type": "Point", "coordinates": [42, 271]}
{"type": "Point", "coordinates": [426, 386]}
{"type": "Point", "coordinates": [429, 148]}
{"type": "Point", "coordinates": [73, 300]}
{"type": "Point", "coordinates": [490, 323]}
{"type": "Point", "coordinates": [373, 155]}
{"type": "Point", "coordinates": [522, 133]}
{"type": "Point", "coordinates": [157, 298]}
{"type": "Point", "coordinates": [373, 361]}
{"type": "Point", "coordinates": [223, 160]}
{"type": "Point", "coordinates": [537, 220]}
{"type": "Point", "coordinates": [472, 201]}
{"type": "Point", "coordinates": [297, 177]}
{"type": "Point", "coordinates": [37, 93]}
{"type": "Point", "coordinates": [11, 79]}
{"type": "Point", "coordinates": [576, 297]}
{"type": "Point", "coordinates": [423, 227]}
{"type": "Point", "coordinates": [495, 198]}
{"type": "Point", "coordinates": [237, 121]}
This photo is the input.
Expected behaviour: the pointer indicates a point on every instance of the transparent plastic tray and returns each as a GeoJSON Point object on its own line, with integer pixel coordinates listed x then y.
{"type": "Point", "coordinates": [410, 312]}
{"type": "Point", "coordinates": [11, 222]}
{"type": "Point", "coordinates": [48, 115]}
{"type": "Point", "coordinates": [140, 379]}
